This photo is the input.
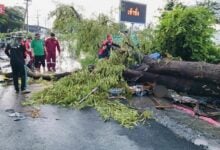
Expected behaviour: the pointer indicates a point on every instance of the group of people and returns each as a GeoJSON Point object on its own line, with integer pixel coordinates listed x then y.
{"type": "Point", "coordinates": [40, 50]}
{"type": "Point", "coordinates": [32, 54]}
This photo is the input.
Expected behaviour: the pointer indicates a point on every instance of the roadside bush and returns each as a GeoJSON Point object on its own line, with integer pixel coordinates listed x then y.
{"type": "Point", "coordinates": [186, 33]}
{"type": "Point", "coordinates": [147, 40]}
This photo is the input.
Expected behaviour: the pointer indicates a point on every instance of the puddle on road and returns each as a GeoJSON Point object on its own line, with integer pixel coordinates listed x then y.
{"type": "Point", "coordinates": [203, 142]}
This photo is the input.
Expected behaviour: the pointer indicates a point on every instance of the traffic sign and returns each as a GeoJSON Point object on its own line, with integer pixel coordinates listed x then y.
{"type": "Point", "coordinates": [133, 12]}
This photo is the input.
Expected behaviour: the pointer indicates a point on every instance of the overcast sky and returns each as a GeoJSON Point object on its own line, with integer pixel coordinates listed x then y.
{"type": "Point", "coordinates": [86, 7]}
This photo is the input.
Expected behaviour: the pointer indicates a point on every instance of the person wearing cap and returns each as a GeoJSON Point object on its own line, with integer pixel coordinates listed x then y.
{"type": "Point", "coordinates": [16, 52]}
{"type": "Point", "coordinates": [39, 52]}
{"type": "Point", "coordinates": [104, 51]}
{"type": "Point", "coordinates": [51, 44]}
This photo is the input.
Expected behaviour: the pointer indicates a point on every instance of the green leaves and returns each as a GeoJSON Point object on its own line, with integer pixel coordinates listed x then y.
{"type": "Point", "coordinates": [146, 40]}
{"type": "Point", "coordinates": [66, 20]}
{"type": "Point", "coordinates": [13, 19]}
{"type": "Point", "coordinates": [71, 89]}
{"type": "Point", "coordinates": [91, 32]}
{"type": "Point", "coordinates": [83, 35]}
{"type": "Point", "coordinates": [213, 6]}
{"type": "Point", "coordinates": [186, 32]}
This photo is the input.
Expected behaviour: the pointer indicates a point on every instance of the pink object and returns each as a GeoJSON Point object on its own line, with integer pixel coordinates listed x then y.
{"type": "Point", "coordinates": [2, 9]}
{"type": "Point", "coordinates": [192, 113]}
{"type": "Point", "coordinates": [186, 110]}
{"type": "Point", "coordinates": [210, 121]}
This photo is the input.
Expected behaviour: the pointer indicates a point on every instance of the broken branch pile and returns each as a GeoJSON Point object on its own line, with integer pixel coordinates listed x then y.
{"type": "Point", "coordinates": [90, 89]}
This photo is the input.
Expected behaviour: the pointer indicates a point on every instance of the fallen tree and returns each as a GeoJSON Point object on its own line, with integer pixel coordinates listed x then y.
{"type": "Point", "coordinates": [48, 77]}
{"type": "Point", "coordinates": [200, 71]}
{"type": "Point", "coordinates": [177, 75]}
{"type": "Point", "coordinates": [175, 83]}
{"type": "Point", "coordinates": [86, 88]}
{"type": "Point", "coordinates": [178, 84]}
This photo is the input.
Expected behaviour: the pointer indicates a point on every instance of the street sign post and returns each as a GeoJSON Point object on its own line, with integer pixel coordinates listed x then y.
{"type": "Point", "coordinates": [133, 12]}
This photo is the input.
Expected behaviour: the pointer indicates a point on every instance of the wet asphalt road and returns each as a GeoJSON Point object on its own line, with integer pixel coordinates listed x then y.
{"type": "Point", "coordinates": [69, 129]}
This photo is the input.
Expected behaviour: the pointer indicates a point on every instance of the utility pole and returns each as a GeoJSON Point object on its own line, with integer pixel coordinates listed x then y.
{"type": "Point", "coordinates": [45, 22]}
{"type": "Point", "coordinates": [38, 27]}
{"type": "Point", "coordinates": [27, 4]}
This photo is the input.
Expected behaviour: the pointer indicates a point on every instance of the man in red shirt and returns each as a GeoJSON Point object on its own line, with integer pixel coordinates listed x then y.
{"type": "Point", "coordinates": [51, 45]}
{"type": "Point", "coordinates": [107, 45]}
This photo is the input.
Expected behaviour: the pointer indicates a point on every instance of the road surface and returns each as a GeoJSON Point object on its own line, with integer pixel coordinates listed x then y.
{"type": "Point", "coordinates": [68, 129]}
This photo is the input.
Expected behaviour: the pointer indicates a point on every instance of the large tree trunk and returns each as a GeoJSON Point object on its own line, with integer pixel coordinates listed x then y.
{"type": "Point", "coordinates": [189, 70]}
{"type": "Point", "coordinates": [178, 84]}
{"type": "Point", "coordinates": [48, 77]}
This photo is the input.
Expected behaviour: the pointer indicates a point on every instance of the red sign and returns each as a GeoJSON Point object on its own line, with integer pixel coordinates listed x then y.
{"type": "Point", "coordinates": [2, 9]}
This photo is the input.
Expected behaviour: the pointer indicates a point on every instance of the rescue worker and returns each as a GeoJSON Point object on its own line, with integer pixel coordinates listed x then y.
{"type": "Point", "coordinates": [105, 50]}
{"type": "Point", "coordinates": [16, 52]}
{"type": "Point", "coordinates": [52, 44]}
{"type": "Point", "coordinates": [39, 52]}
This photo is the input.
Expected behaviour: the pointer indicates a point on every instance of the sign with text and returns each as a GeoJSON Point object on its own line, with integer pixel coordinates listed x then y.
{"type": "Point", "coordinates": [133, 12]}
{"type": "Point", "coordinates": [2, 9]}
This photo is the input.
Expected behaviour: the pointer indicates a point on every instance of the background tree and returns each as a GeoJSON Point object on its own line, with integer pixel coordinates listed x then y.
{"type": "Point", "coordinates": [187, 32]}
{"type": "Point", "coordinates": [172, 4]}
{"type": "Point", "coordinates": [66, 18]}
{"type": "Point", "coordinates": [147, 40]}
{"type": "Point", "coordinates": [213, 5]}
{"type": "Point", "coordinates": [12, 20]}
{"type": "Point", "coordinates": [82, 35]}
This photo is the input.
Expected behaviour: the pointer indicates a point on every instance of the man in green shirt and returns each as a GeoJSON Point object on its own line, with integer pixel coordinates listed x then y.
{"type": "Point", "coordinates": [38, 50]}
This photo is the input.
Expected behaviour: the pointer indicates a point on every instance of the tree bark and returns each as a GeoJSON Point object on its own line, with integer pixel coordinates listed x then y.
{"type": "Point", "coordinates": [48, 77]}
{"type": "Point", "coordinates": [178, 84]}
{"type": "Point", "coordinates": [189, 70]}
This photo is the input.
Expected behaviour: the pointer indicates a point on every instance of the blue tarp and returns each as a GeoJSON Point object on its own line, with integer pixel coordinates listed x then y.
{"type": "Point", "coordinates": [155, 55]}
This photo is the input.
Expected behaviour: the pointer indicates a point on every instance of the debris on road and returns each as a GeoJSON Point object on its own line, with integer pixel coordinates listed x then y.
{"type": "Point", "coordinates": [17, 116]}
{"type": "Point", "coordinates": [84, 98]}
{"type": "Point", "coordinates": [10, 110]}
{"type": "Point", "coordinates": [34, 112]}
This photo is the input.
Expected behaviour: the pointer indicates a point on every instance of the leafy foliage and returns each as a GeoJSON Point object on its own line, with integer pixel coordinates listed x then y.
{"type": "Point", "coordinates": [12, 20]}
{"type": "Point", "coordinates": [69, 91]}
{"type": "Point", "coordinates": [147, 40]}
{"type": "Point", "coordinates": [91, 32]}
{"type": "Point", "coordinates": [187, 32]}
{"type": "Point", "coordinates": [66, 20]}
{"type": "Point", "coordinates": [172, 4]}
{"type": "Point", "coordinates": [2, 35]}
{"type": "Point", "coordinates": [83, 35]}
{"type": "Point", "coordinates": [214, 6]}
